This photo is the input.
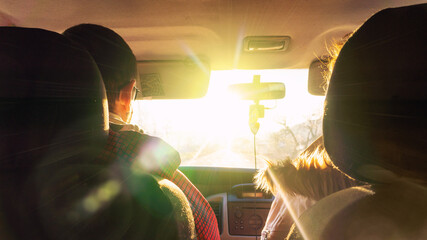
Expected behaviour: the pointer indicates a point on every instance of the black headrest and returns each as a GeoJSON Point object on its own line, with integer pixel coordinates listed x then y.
{"type": "Point", "coordinates": [376, 110]}
{"type": "Point", "coordinates": [53, 124]}
{"type": "Point", "coordinates": [52, 99]}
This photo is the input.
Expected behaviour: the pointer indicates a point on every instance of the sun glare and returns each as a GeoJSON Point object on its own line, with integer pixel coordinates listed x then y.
{"type": "Point", "coordinates": [218, 123]}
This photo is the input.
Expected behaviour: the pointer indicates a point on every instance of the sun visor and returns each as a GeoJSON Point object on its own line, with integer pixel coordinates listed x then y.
{"type": "Point", "coordinates": [173, 79]}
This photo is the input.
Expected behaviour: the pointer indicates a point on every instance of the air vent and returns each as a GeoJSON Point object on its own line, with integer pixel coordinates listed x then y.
{"type": "Point", "coordinates": [266, 43]}
{"type": "Point", "coordinates": [217, 208]}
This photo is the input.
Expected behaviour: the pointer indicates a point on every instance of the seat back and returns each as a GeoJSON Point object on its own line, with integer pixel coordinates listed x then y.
{"type": "Point", "coordinates": [51, 91]}
{"type": "Point", "coordinates": [53, 127]}
{"type": "Point", "coordinates": [375, 131]}
{"type": "Point", "coordinates": [53, 112]}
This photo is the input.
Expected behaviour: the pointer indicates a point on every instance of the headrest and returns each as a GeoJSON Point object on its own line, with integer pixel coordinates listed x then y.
{"type": "Point", "coordinates": [52, 99]}
{"type": "Point", "coordinates": [375, 111]}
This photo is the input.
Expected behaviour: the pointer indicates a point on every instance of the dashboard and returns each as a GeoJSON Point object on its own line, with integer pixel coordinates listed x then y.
{"type": "Point", "coordinates": [241, 210]}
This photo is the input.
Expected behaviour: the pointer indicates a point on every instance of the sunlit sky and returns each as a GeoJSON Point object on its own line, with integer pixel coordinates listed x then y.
{"type": "Point", "coordinates": [221, 118]}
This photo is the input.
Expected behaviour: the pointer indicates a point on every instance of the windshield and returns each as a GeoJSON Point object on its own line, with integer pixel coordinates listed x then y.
{"type": "Point", "coordinates": [214, 130]}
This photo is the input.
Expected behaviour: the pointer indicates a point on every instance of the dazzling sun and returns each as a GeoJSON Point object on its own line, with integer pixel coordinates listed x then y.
{"type": "Point", "coordinates": [221, 119]}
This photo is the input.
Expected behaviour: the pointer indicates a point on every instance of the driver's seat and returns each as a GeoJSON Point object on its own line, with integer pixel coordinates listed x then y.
{"type": "Point", "coordinates": [54, 123]}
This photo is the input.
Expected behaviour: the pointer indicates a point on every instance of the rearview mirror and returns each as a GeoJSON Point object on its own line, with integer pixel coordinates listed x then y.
{"type": "Point", "coordinates": [259, 90]}
{"type": "Point", "coordinates": [317, 83]}
{"type": "Point", "coordinates": [176, 79]}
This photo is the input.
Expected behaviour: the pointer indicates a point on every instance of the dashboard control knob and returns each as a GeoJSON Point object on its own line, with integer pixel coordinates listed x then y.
{"type": "Point", "coordinates": [238, 214]}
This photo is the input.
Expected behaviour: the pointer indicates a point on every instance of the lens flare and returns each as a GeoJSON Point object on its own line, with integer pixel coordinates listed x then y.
{"type": "Point", "coordinates": [100, 196]}
{"type": "Point", "coordinates": [288, 205]}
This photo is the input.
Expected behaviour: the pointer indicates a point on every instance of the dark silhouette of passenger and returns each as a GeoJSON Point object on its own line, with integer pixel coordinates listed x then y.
{"type": "Point", "coordinates": [375, 130]}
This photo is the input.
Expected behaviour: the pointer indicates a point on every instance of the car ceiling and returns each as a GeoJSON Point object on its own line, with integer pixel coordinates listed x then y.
{"type": "Point", "coordinates": [176, 29]}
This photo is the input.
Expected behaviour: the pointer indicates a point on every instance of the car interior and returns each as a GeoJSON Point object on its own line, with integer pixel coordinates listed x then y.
{"type": "Point", "coordinates": [201, 65]}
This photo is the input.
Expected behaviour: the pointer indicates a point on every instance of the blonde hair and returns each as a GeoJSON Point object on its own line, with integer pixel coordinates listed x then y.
{"type": "Point", "coordinates": [311, 175]}
{"type": "Point", "coordinates": [328, 62]}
